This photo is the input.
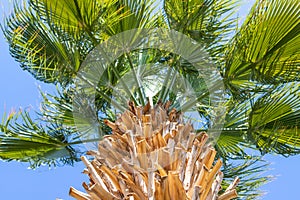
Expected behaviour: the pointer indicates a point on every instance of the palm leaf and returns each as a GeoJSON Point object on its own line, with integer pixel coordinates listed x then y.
{"type": "Point", "coordinates": [206, 21]}
{"type": "Point", "coordinates": [46, 37]}
{"type": "Point", "coordinates": [274, 121]}
{"type": "Point", "coordinates": [265, 49]}
{"type": "Point", "coordinates": [79, 18]}
{"type": "Point", "coordinates": [251, 173]}
{"type": "Point", "coordinates": [33, 44]}
{"type": "Point", "coordinates": [34, 143]}
{"type": "Point", "coordinates": [268, 122]}
{"type": "Point", "coordinates": [137, 14]}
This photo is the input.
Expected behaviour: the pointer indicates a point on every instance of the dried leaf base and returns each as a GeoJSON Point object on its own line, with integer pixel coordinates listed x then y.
{"type": "Point", "coordinates": [152, 154]}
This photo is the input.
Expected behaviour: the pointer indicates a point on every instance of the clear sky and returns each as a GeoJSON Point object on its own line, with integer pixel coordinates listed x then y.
{"type": "Point", "coordinates": [19, 89]}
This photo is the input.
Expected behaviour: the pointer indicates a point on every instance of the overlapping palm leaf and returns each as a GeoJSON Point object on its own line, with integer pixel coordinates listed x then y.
{"type": "Point", "coordinates": [206, 21]}
{"type": "Point", "coordinates": [266, 48]}
{"type": "Point", "coordinates": [274, 120]}
{"type": "Point", "coordinates": [38, 144]}
{"type": "Point", "coordinates": [38, 49]}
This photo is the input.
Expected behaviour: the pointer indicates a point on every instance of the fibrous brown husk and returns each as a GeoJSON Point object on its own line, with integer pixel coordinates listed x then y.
{"type": "Point", "coordinates": [152, 154]}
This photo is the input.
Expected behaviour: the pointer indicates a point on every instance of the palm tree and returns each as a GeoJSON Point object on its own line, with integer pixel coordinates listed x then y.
{"type": "Point", "coordinates": [258, 64]}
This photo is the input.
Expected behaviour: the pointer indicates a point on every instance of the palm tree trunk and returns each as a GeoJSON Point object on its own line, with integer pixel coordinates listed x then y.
{"type": "Point", "coordinates": [153, 154]}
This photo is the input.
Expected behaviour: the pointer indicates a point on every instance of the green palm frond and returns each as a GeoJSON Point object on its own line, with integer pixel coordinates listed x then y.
{"type": "Point", "coordinates": [47, 37]}
{"type": "Point", "coordinates": [35, 143]}
{"type": "Point", "coordinates": [274, 121]}
{"type": "Point", "coordinates": [251, 171]}
{"type": "Point", "coordinates": [80, 19]}
{"type": "Point", "coordinates": [138, 14]}
{"type": "Point", "coordinates": [206, 21]}
{"type": "Point", "coordinates": [57, 108]}
{"type": "Point", "coordinates": [266, 48]}
{"type": "Point", "coordinates": [268, 122]}
{"type": "Point", "coordinates": [231, 144]}
{"type": "Point", "coordinates": [38, 49]}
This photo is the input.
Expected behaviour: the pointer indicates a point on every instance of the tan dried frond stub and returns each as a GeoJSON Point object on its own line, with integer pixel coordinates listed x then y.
{"type": "Point", "coordinates": [152, 154]}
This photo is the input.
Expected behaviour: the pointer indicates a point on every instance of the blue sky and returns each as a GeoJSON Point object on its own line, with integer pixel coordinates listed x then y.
{"type": "Point", "coordinates": [19, 89]}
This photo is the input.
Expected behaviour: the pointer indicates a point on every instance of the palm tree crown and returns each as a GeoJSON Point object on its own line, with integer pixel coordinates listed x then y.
{"type": "Point", "coordinates": [258, 64]}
